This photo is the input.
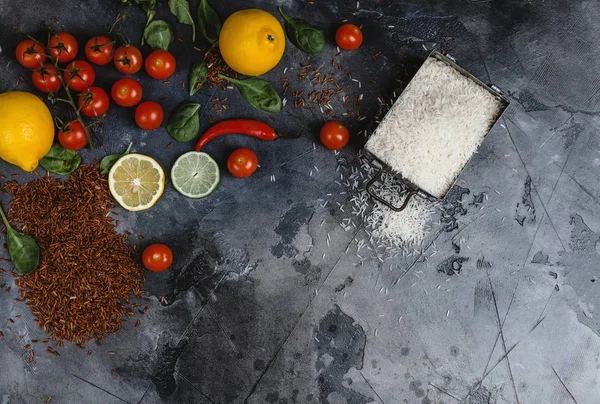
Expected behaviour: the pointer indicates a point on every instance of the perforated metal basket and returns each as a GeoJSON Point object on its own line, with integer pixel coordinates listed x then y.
{"type": "Point", "coordinates": [412, 189]}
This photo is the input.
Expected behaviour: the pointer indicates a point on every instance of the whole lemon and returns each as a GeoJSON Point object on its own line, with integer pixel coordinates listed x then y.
{"type": "Point", "coordinates": [26, 129]}
{"type": "Point", "coordinates": [252, 41]}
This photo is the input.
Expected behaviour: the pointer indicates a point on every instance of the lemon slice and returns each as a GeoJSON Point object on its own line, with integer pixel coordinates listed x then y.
{"type": "Point", "coordinates": [195, 175]}
{"type": "Point", "coordinates": [136, 181]}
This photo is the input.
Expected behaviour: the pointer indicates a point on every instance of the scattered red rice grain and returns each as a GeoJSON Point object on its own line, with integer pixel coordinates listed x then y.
{"type": "Point", "coordinates": [31, 355]}
{"type": "Point", "coordinates": [82, 256]}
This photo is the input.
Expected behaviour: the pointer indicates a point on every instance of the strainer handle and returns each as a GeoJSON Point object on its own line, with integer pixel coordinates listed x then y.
{"type": "Point", "coordinates": [383, 201]}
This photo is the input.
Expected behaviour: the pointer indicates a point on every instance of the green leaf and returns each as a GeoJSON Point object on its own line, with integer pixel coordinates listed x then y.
{"type": "Point", "coordinates": [258, 92]}
{"type": "Point", "coordinates": [208, 22]}
{"type": "Point", "coordinates": [60, 160]}
{"type": "Point", "coordinates": [304, 36]}
{"type": "Point", "coordinates": [23, 250]}
{"type": "Point", "coordinates": [197, 76]}
{"type": "Point", "coordinates": [158, 35]}
{"type": "Point", "coordinates": [110, 160]}
{"type": "Point", "coordinates": [181, 10]}
{"type": "Point", "coordinates": [184, 122]}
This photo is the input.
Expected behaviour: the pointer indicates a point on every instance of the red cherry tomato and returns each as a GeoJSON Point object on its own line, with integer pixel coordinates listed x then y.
{"type": "Point", "coordinates": [242, 163]}
{"type": "Point", "coordinates": [30, 54]}
{"type": "Point", "coordinates": [99, 50]}
{"type": "Point", "coordinates": [63, 47]}
{"type": "Point", "coordinates": [149, 115]}
{"type": "Point", "coordinates": [160, 64]}
{"type": "Point", "coordinates": [126, 92]}
{"type": "Point", "coordinates": [79, 75]}
{"type": "Point", "coordinates": [93, 102]}
{"type": "Point", "coordinates": [348, 37]}
{"type": "Point", "coordinates": [157, 257]}
{"type": "Point", "coordinates": [72, 136]}
{"type": "Point", "coordinates": [46, 79]}
{"type": "Point", "coordinates": [128, 59]}
{"type": "Point", "coordinates": [334, 135]}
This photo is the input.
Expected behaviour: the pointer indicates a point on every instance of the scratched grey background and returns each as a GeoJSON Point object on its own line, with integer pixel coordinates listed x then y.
{"type": "Point", "coordinates": [259, 307]}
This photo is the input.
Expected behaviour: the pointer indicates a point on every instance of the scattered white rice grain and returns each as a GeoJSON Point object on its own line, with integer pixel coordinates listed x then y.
{"type": "Point", "coordinates": [310, 173]}
{"type": "Point", "coordinates": [359, 84]}
{"type": "Point", "coordinates": [360, 97]}
{"type": "Point", "coordinates": [382, 315]}
{"type": "Point", "coordinates": [414, 283]}
{"type": "Point", "coordinates": [314, 146]}
{"type": "Point", "coordinates": [323, 222]}
{"type": "Point", "coordinates": [316, 339]}
{"type": "Point", "coordinates": [284, 102]}
{"type": "Point", "coordinates": [362, 118]}
{"type": "Point", "coordinates": [285, 70]}
{"type": "Point", "coordinates": [496, 192]}
{"type": "Point", "coordinates": [381, 290]}
{"type": "Point", "coordinates": [327, 243]}
{"type": "Point", "coordinates": [447, 313]}
{"type": "Point", "coordinates": [355, 80]}
{"type": "Point", "coordinates": [316, 168]}
{"type": "Point", "coordinates": [344, 295]}
{"type": "Point", "coordinates": [323, 256]}
{"type": "Point", "coordinates": [391, 26]}
{"type": "Point", "coordinates": [503, 218]}
{"type": "Point", "coordinates": [375, 331]}
{"type": "Point", "coordinates": [399, 319]}
{"type": "Point", "coordinates": [316, 292]}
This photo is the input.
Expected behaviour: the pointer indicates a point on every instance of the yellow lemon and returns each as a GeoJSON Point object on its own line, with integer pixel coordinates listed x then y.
{"type": "Point", "coordinates": [26, 129]}
{"type": "Point", "coordinates": [252, 41]}
{"type": "Point", "coordinates": [136, 181]}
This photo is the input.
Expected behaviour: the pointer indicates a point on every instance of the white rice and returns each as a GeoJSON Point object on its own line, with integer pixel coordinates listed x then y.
{"type": "Point", "coordinates": [434, 127]}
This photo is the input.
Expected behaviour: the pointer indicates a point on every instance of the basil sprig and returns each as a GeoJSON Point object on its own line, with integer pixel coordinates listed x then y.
{"type": "Point", "coordinates": [24, 251]}
{"type": "Point", "coordinates": [304, 36]}
{"type": "Point", "coordinates": [257, 92]}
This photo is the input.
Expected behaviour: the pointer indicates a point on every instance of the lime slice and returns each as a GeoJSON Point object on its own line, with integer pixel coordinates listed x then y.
{"type": "Point", "coordinates": [195, 175]}
{"type": "Point", "coordinates": [136, 181]}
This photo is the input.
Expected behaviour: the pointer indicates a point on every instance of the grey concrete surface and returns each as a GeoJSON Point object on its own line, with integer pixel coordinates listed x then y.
{"type": "Point", "coordinates": [269, 299]}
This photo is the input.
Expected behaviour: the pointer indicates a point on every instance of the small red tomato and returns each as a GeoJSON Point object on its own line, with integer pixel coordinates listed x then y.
{"type": "Point", "coordinates": [126, 92]}
{"type": "Point", "coordinates": [46, 79]}
{"type": "Point", "coordinates": [79, 75]}
{"type": "Point", "coordinates": [157, 257]}
{"type": "Point", "coordinates": [99, 50]}
{"type": "Point", "coordinates": [63, 47]}
{"type": "Point", "coordinates": [242, 163]}
{"type": "Point", "coordinates": [72, 136]}
{"type": "Point", "coordinates": [160, 64]}
{"type": "Point", "coordinates": [149, 115]}
{"type": "Point", "coordinates": [348, 37]}
{"type": "Point", "coordinates": [30, 54]}
{"type": "Point", "coordinates": [93, 102]}
{"type": "Point", "coordinates": [128, 59]}
{"type": "Point", "coordinates": [334, 135]}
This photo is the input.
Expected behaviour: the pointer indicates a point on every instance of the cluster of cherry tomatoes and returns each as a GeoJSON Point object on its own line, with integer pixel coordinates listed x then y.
{"type": "Point", "coordinates": [79, 76]}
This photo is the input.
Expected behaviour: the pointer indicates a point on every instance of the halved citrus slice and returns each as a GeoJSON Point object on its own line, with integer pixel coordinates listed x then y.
{"type": "Point", "coordinates": [195, 175]}
{"type": "Point", "coordinates": [136, 181]}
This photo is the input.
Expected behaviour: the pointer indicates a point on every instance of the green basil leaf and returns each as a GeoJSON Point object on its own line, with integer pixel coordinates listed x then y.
{"type": "Point", "coordinates": [24, 251]}
{"type": "Point", "coordinates": [209, 22]}
{"type": "Point", "coordinates": [60, 160]}
{"type": "Point", "coordinates": [304, 36]}
{"type": "Point", "coordinates": [184, 122]}
{"type": "Point", "coordinates": [158, 35]}
{"type": "Point", "coordinates": [108, 161]}
{"type": "Point", "coordinates": [197, 76]}
{"type": "Point", "coordinates": [181, 10]}
{"type": "Point", "coordinates": [257, 92]}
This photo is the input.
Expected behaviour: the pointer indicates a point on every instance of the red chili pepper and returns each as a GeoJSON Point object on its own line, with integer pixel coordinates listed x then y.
{"type": "Point", "coordinates": [248, 127]}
